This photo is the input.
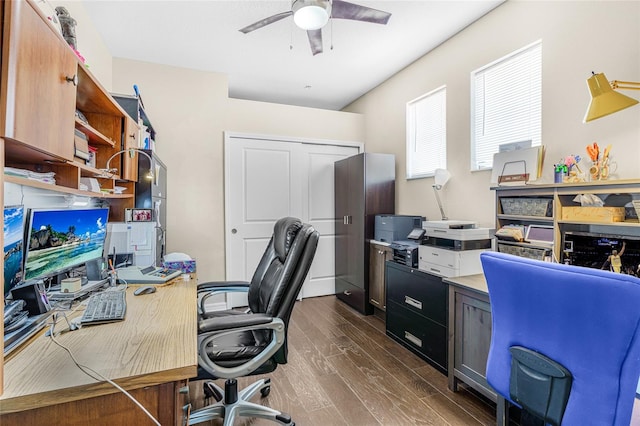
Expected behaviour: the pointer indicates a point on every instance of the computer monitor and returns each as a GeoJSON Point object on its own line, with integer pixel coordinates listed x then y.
{"type": "Point", "coordinates": [13, 246]}
{"type": "Point", "coordinates": [59, 240]}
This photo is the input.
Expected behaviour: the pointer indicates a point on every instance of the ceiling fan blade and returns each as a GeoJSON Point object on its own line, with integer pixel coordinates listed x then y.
{"type": "Point", "coordinates": [345, 10]}
{"type": "Point", "coordinates": [266, 21]}
{"type": "Point", "coordinates": [315, 41]}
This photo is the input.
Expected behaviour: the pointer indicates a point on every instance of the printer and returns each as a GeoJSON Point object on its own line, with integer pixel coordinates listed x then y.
{"type": "Point", "coordinates": [452, 248]}
{"type": "Point", "coordinates": [391, 227]}
{"type": "Point", "coordinates": [405, 252]}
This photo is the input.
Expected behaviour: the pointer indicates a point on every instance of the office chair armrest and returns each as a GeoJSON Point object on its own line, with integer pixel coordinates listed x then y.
{"type": "Point", "coordinates": [232, 322]}
{"type": "Point", "coordinates": [216, 370]}
{"type": "Point", "coordinates": [214, 285]}
{"type": "Point", "coordinates": [206, 290]}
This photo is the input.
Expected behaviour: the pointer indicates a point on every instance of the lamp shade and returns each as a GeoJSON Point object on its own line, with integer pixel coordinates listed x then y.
{"type": "Point", "coordinates": [311, 14]}
{"type": "Point", "coordinates": [441, 177]}
{"type": "Point", "coordinates": [605, 100]}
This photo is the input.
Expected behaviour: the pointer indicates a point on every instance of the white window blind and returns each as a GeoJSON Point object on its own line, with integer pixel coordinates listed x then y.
{"type": "Point", "coordinates": [506, 104]}
{"type": "Point", "coordinates": [427, 134]}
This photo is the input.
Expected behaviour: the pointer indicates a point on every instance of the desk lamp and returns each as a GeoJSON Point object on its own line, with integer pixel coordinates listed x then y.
{"type": "Point", "coordinates": [605, 100]}
{"type": "Point", "coordinates": [441, 177]}
{"type": "Point", "coordinates": [131, 153]}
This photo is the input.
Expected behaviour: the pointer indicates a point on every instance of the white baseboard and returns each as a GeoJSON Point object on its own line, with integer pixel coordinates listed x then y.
{"type": "Point", "coordinates": [215, 306]}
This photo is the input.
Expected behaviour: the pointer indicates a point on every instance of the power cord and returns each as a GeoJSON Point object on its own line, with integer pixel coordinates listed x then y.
{"type": "Point", "coordinates": [94, 374]}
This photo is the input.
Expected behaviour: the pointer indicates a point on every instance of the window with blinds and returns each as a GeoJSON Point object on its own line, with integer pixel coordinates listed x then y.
{"type": "Point", "coordinates": [427, 134]}
{"type": "Point", "coordinates": [506, 104]}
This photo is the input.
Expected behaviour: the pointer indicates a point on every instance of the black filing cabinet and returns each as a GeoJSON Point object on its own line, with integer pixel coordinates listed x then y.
{"type": "Point", "coordinates": [417, 304]}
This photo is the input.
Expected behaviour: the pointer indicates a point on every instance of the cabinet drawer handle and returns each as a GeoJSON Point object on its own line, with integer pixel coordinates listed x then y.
{"type": "Point", "coordinates": [413, 339]}
{"type": "Point", "coordinates": [434, 270]}
{"type": "Point", "coordinates": [346, 293]}
{"type": "Point", "coordinates": [413, 302]}
{"type": "Point", "coordinates": [434, 254]}
{"type": "Point", "coordinates": [375, 302]}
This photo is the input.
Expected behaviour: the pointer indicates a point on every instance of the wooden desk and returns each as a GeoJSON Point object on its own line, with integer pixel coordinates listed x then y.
{"type": "Point", "coordinates": [151, 353]}
{"type": "Point", "coordinates": [470, 337]}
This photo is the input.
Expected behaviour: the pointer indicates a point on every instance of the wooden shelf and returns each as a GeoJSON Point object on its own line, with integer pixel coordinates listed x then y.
{"type": "Point", "coordinates": [524, 244]}
{"type": "Point", "coordinates": [62, 189]}
{"type": "Point", "coordinates": [527, 218]}
{"type": "Point", "coordinates": [88, 171]}
{"type": "Point", "coordinates": [94, 136]}
{"type": "Point", "coordinates": [626, 223]}
{"type": "Point", "coordinates": [615, 193]}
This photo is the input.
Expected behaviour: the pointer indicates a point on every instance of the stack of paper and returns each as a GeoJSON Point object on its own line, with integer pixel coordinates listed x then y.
{"type": "Point", "coordinates": [47, 177]}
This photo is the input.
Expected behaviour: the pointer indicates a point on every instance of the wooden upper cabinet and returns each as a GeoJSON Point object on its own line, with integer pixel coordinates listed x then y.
{"type": "Point", "coordinates": [130, 162]}
{"type": "Point", "coordinates": [39, 73]}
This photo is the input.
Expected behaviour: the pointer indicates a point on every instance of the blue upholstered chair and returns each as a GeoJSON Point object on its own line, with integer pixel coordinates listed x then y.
{"type": "Point", "coordinates": [584, 322]}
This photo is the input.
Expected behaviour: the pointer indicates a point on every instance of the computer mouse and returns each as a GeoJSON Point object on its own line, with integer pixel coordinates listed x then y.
{"type": "Point", "coordinates": [144, 290]}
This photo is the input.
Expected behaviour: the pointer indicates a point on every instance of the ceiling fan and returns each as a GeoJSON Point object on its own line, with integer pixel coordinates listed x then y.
{"type": "Point", "coordinates": [312, 15]}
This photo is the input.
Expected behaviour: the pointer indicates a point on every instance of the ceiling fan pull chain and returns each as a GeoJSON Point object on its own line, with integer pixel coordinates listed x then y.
{"type": "Point", "coordinates": [331, 34]}
{"type": "Point", "coordinates": [291, 36]}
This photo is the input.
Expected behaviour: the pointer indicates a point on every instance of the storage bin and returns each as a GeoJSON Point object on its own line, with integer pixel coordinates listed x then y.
{"type": "Point", "coordinates": [594, 214]}
{"type": "Point", "coordinates": [527, 206]}
{"type": "Point", "coordinates": [536, 253]}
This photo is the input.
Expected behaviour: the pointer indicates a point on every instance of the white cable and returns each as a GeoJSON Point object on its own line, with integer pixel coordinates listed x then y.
{"type": "Point", "coordinates": [84, 369]}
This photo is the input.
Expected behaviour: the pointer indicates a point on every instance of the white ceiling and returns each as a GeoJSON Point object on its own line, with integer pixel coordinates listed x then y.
{"type": "Point", "coordinates": [261, 66]}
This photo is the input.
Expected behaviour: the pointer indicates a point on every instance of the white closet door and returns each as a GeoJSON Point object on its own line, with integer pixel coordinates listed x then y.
{"type": "Point", "coordinates": [318, 210]}
{"type": "Point", "coordinates": [267, 179]}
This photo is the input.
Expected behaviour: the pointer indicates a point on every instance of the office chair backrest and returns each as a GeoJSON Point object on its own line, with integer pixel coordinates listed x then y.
{"type": "Point", "coordinates": [280, 274]}
{"type": "Point", "coordinates": [586, 320]}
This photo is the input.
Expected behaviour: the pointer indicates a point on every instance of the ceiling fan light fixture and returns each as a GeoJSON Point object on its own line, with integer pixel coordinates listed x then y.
{"type": "Point", "coordinates": [311, 14]}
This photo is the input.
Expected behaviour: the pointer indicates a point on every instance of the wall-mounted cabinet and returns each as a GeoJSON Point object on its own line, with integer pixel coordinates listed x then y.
{"type": "Point", "coordinates": [46, 93]}
{"type": "Point", "coordinates": [39, 74]}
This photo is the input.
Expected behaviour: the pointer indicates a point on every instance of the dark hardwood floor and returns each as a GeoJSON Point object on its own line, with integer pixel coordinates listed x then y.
{"type": "Point", "coordinates": [344, 370]}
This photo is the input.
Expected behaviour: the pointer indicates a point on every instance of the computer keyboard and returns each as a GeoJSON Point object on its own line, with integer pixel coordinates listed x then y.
{"type": "Point", "coordinates": [106, 306]}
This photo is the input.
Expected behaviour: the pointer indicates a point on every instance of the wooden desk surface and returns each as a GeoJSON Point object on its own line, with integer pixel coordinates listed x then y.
{"type": "Point", "coordinates": [475, 282]}
{"type": "Point", "coordinates": [156, 343]}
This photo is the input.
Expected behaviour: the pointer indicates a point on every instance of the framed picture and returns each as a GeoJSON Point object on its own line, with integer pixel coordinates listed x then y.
{"type": "Point", "coordinates": [138, 215]}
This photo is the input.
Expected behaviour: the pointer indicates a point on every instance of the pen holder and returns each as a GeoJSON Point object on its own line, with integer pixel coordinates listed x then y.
{"type": "Point", "coordinates": [558, 177]}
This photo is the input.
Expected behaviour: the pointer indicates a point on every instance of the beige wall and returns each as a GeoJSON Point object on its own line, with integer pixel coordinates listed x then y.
{"type": "Point", "coordinates": [190, 110]}
{"type": "Point", "coordinates": [577, 38]}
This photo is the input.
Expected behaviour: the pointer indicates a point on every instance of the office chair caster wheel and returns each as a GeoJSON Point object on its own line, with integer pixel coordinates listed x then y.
{"type": "Point", "coordinates": [211, 391]}
{"type": "Point", "coordinates": [265, 391]}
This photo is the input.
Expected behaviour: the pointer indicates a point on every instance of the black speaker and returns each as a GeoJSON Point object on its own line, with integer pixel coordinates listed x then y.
{"type": "Point", "coordinates": [34, 296]}
{"type": "Point", "coordinates": [95, 270]}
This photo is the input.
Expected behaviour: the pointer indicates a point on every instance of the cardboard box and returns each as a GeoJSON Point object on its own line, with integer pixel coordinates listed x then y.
{"type": "Point", "coordinates": [593, 214]}
{"type": "Point", "coordinates": [81, 146]}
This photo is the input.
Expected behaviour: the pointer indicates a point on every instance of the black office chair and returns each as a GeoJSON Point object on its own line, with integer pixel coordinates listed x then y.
{"type": "Point", "coordinates": [234, 344]}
